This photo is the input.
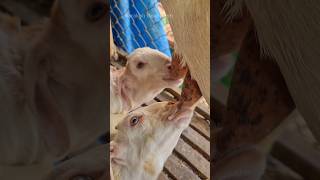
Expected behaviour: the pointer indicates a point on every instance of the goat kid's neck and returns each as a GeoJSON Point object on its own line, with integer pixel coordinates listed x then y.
{"type": "Point", "coordinates": [122, 100]}
{"type": "Point", "coordinates": [145, 170]}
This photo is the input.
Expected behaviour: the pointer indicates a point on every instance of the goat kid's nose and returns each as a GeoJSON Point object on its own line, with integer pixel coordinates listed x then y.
{"type": "Point", "coordinates": [169, 66]}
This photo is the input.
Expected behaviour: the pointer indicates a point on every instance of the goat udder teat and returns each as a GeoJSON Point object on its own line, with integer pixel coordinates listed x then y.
{"type": "Point", "coordinates": [189, 98]}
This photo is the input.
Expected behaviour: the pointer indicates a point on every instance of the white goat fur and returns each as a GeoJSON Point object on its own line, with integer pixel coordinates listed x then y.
{"type": "Point", "coordinates": [144, 149]}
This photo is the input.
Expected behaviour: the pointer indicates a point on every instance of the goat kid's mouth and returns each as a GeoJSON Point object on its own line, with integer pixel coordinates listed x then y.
{"type": "Point", "coordinates": [175, 75]}
{"type": "Point", "coordinates": [172, 80]}
{"type": "Point", "coordinates": [176, 71]}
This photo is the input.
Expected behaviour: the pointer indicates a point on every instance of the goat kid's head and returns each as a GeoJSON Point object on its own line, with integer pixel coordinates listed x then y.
{"type": "Point", "coordinates": [147, 136]}
{"type": "Point", "coordinates": [148, 72]}
{"type": "Point", "coordinates": [65, 74]}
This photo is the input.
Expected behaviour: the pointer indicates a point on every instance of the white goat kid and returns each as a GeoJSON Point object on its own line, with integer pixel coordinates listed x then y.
{"type": "Point", "coordinates": [145, 75]}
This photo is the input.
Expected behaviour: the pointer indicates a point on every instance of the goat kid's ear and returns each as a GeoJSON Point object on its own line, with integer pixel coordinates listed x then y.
{"type": "Point", "coordinates": [182, 115]}
{"type": "Point", "coordinates": [44, 106]}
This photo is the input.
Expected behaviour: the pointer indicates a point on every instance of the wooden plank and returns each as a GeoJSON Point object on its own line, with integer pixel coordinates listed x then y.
{"type": "Point", "coordinates": [198, 142]}
{"type": "Point", "coordinates": [200, 125]}
{"type": "Point", "coordinates": [297, 154]}
{"type": "Point", "coordinates": [163, 176]}
{"type": "Point", "coordinates": [204, 109]}
{"type": "Point", "coordinates": [178, 169]}
{"type": "Point", "coordinates": [194, 159]}
{"type": "Point", "coordinates": [165, 96]}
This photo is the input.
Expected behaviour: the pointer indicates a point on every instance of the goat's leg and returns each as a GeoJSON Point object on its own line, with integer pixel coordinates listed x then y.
{"type": "Point", "coordinates": [258, 102]}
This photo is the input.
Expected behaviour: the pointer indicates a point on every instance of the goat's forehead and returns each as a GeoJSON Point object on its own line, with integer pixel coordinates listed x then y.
{"type": "Point", "coordinates": [147, 54]}
{"type": "Point", "coordinates": [155, 106]}
{"type": "Point", "coordinates": [136, 112]}
{"type": "Point", "coordinates": [148, 110]}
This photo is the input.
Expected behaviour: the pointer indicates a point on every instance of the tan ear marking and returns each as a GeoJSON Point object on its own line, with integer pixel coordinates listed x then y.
{"type": "Point", "coordinates": [149, 167]}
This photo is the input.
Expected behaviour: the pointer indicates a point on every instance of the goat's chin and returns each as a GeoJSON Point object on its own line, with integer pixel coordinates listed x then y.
{"type": "Point", "coordinates": [173, 82]}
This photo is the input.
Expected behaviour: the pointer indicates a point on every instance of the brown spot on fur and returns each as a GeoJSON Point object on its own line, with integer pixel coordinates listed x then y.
{"type": "Point", "coordinates": [149, 167]}
{"type": "Point", "coordinates": [257, 103]}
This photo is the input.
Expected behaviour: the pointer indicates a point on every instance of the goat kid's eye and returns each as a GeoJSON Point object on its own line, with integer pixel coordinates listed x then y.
{"type": "Point", "coordinates": [134, 120]}
{"type": "Point", "coordinates": [171, 103]}
{"type": "Point", "coordinates": [140, 65]}
{"type": "Point", "coordinates": [97, 11]}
